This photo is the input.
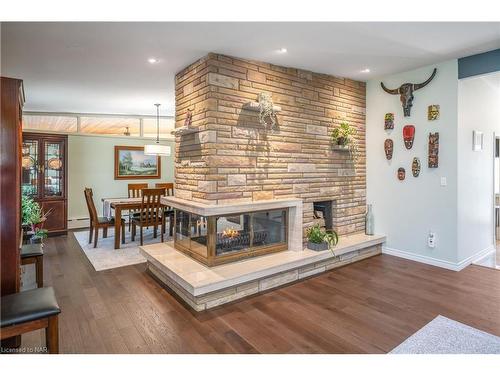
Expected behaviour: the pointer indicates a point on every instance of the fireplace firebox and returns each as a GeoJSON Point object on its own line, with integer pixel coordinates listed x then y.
{"type": "Point", "coordinates": [219, 239]}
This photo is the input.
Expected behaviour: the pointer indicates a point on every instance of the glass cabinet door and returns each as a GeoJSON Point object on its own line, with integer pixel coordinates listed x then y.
{"type": "Point", "coordinates": [30, 164]}
{"type": "Point", "coordinates": [53, 168]}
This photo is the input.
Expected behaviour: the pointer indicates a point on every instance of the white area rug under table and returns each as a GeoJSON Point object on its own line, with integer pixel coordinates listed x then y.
{"type": "Point", "coordinates": [446, 336]}
{"type": "Point", "coordinates": [105, 256]}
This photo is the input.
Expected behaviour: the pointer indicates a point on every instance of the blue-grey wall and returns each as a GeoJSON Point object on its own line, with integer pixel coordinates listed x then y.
{"type": "Point", "coordinates": [482, 63]}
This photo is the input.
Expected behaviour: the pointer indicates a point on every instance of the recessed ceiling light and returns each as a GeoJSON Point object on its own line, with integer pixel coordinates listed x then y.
{"type": "Point", "coordinates": [365, 70]}
{"type": "Point", "coordinates": [282, 50]}
{"type": "Point", "coordinates": [153, 60]}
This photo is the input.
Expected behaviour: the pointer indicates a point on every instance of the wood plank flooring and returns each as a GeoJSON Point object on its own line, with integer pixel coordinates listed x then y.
{"type": "Point", "coordinates": [367, 307]}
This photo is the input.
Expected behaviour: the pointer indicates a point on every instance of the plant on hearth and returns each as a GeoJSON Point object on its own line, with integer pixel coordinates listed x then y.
{"type": "Point", "coordinates": [344, 136]}
{"type": "Point", "coordinates": [320, 239]}
{"type": "Point", "coordinates": [33, 216]}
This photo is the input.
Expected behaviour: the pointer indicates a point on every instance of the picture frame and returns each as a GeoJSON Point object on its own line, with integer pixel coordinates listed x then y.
{"type": "Point", "coordinates": [477, 140]}
{"type": "Point", "coordinates": [131, 163]}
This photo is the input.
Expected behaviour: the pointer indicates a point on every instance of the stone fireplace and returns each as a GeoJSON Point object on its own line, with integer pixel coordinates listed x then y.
{"type": "Point", "coordinates": [229, 157]}
{"type": "Point", "coordinates": [245, 189]}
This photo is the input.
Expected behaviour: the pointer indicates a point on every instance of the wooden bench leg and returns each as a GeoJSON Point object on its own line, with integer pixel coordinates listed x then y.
{"type": "Point", "coordinates": [39, 271]}
{"type": "Point", "coordinates": [52, 335]}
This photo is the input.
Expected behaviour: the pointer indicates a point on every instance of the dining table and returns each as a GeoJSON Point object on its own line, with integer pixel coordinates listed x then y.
{"type": "Point", "coordinates": [123, 204]}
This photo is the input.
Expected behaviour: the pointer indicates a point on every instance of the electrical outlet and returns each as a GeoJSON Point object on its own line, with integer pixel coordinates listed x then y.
{"type": "Point", "coordinates": [431, 240]}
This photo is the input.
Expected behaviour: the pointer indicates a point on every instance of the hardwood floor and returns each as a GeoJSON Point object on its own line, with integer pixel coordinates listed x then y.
{"type": "Point", "coordinates": [367, 307]}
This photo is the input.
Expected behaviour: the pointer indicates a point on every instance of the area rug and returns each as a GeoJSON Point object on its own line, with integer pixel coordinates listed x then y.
{"type": "Point", "coordinates": [446, 336]}
{"type": "Point", "coordinates": [105, 256]}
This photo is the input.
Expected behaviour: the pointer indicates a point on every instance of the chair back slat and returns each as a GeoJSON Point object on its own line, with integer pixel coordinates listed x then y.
{"type": "Point", "coordinates": [135, 190]}
{"type": "Point", "coordinates": [167, 186]}
{"type": "Point", "coordinates": [89, 198]}
{"type": "Point", "coordinates": [150, 206]}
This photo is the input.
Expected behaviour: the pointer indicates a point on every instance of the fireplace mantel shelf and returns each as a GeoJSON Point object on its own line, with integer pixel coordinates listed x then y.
{"type": "Point", "coordinates": [185, 130]}
{"type": "Point", "coordinates": [224, 209]}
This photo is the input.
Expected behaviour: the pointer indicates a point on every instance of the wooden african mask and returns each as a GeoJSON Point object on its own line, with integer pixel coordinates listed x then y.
{"type": "Point", "coordinates": [401, 174]}
{"type": "Point", "coordinates": [433, 150]}
{"type": "Point", "coordinates": [415, 167]}
{"type": "Point", "coordinates": [433, 112]}
{"type": "Point", "coordinates": [388, 148]}
{"type": "Point", "coordinates": [389, 121]}
{"type": "Point", "coordinates": [408, 136]}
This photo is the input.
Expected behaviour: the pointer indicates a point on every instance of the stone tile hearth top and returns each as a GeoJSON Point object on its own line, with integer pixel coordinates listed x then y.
{"type": "Point", "coordinates": [198, 279]}
{"type": "Point", "coordinates": [229, 208]}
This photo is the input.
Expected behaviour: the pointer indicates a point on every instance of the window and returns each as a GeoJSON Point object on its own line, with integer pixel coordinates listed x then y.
{"type": "Point", "coordinates": [149, 127]}
{"type": "Point", "coordinates": [106, 125]}
{"type": "Point", "coordinates": [55, 123]}
{"type": "Point", "coordinates": [111, 126]}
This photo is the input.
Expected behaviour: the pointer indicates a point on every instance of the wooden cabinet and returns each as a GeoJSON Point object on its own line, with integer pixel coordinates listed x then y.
{"type": "Point", "coordinates": [11, 101]}
{"type": "Point", "coordinates": [44, 177]}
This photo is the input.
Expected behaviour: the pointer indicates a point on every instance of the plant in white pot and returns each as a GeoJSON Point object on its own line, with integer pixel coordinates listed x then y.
{"type": "Point", "coordinates": [319, 239]}
{"type": "Point", "coordinates": [343, 138]}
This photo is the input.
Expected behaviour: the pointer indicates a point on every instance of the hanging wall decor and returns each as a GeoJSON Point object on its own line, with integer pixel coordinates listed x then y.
{"type": "Point", "coordinates": [267, 115]}
{"type": "Point", "coordinates": [389, 121]}
{"type": "Point", "coordinates": [189, 118]}
{"type": "Point", "coordinates": [415, 167]}
{"type": "Point", "coordinates": [433, 112]}
{"type": "Point", "coordinates": [388, 148]}
{"type": "Point", "coordinates": [405, 92]}
{"type": "Point", "coordinates": [433, 150]}
{"type": "Point", "coordinates": [408, 136]}
{"type": "Point", "coordinates": [401, 173]}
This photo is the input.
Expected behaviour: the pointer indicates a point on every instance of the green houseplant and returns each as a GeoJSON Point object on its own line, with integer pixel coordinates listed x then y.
{"type": "Point", "coordinates": [33, 217]}
{"type": "Point", "coordinates": [319, 239]}
{"type": "Point", "coordinates": [343, 137]}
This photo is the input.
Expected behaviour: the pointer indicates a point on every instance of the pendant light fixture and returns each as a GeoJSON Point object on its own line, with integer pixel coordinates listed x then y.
{"type": "Point", "coordinates": [157, 148]}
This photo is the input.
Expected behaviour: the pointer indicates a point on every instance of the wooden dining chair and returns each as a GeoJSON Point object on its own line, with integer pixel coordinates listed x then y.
{"type": "Point", "coordinates": [168, 186]}
{"type": "Point", "coordinates": [150, 213]}
{"type": "Point", "coordinates": [134, 191]}
{"type": "Point", "coordinates": [97, 222]}
{"type": "Point", "coordinates": [168, 211]}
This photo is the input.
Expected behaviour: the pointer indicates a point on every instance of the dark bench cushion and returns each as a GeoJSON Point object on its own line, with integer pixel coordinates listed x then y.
{"type": "Point", "coordinates": [31, 250]}
{"type": "Point", "coordinates": [27, 306]}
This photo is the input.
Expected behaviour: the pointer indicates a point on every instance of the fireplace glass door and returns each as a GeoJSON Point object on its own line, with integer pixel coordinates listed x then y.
{"type": "Point", "coordinates": [220, 239]}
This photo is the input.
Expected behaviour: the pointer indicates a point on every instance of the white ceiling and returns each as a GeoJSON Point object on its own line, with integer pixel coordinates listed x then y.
{"type": "Point", "coordinates": [103, 68]}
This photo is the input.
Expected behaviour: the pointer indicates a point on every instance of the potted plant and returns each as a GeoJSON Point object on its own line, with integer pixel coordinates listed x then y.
{"type": "Point", "coordinates": [33, 217]}
{"type": "Point", "coordinates": [319, 239]}
{"type": "Point", "coordinates": [343, 138]}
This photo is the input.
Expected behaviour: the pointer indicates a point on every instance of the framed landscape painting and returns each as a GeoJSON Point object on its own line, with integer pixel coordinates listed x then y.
{"type": "Point", "coordinates": [131, 163]}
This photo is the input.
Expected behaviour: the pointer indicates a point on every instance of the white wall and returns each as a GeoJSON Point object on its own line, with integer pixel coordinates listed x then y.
{"type": "Point", "coordinates": [91, 164]}
{"type": "Point", "coordinates": [478, 109]}
{"type": "Point", "coordinates": [407, 210]}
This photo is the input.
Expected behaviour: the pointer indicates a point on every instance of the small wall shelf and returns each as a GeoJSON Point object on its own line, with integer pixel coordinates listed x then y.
{"type": "Point", "coordinates": [340, 148]}
{"type": "Point", "coordinates": [183, 130]}
{"type": "Point", "coordinates": [255, 106]}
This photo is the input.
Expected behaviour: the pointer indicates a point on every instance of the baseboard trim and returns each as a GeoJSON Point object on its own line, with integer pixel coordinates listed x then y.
{"type": "Point", "coordinates": [438, 262]}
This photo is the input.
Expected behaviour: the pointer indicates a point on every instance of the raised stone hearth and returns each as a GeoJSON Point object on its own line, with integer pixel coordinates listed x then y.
{"type": "Point", "coordinates": [203, 287]}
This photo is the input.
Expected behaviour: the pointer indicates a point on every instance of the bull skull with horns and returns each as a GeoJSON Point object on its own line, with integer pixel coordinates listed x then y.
{"type": "Point", "coordinates": [406, 92]}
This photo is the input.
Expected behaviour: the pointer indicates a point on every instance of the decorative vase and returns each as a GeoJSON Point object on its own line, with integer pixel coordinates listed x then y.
{"type": "Point", "coordinates": [317, 246]}
{"type": "Point", "coordinates": [369, 222]}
